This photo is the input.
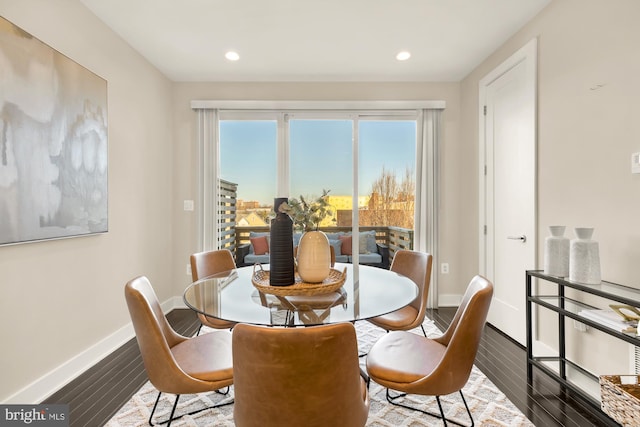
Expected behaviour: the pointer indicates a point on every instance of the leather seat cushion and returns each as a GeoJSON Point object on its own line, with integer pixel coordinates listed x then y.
{"type": "Point", "coordinates": [206, 357]}
{"type": "Point", "coordinates": [403, 357]}
{"type": "Point", "coordinates": [214, 322]}
{"type": "Point", "coordinates": [396, 319]}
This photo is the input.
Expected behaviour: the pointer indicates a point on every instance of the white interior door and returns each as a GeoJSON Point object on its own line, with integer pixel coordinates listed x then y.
{"type": "Point", "coordinates": [508, 104]}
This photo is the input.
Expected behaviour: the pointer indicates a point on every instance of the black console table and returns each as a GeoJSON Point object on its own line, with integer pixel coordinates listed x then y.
{"type": "Point", "coordinates": [569, 308]}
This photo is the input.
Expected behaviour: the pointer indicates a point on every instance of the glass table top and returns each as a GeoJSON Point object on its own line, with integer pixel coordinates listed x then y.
{"type": "Point", "coordinates": [367, 292]}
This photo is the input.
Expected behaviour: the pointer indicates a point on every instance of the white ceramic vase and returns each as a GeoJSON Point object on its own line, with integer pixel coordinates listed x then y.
{"type": "Point", "coordinates": [556, 252]}
{"type": "Point", "coordinates": [314, 257]}
{"type": "Point", "coordinates": [584, 258]}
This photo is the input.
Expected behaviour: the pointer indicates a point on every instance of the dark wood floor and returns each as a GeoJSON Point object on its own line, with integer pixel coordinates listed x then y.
{"type": "Point", "coordinates": [95, 396]}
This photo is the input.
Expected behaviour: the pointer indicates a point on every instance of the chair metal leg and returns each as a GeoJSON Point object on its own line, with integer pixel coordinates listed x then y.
{"type": "Point", "coordinates": [199, 329]}
{"type": "Point", "coordinates": [444, 419]}
{"type": "Point", "coordinates": [154, 407]}
{"type": "Point", "coordinates": [423, 331]}
{"type": "Point", "coordinates": [173, 411]}
{"type": "Point", "coordinates": [365, 377]}
{"type": "Point", "coordinates": [175, 405]}
{"type": "Point", "coordinates": [391, 399]}
{"type": "Point", "coordinates": [467, 407]}
{"type": "Point", "coordinates": [224, 393]}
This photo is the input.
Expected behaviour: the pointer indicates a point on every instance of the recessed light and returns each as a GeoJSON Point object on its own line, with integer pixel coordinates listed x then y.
{"type": "Point", "coordinates": [232, 56]}
{"type": "Point", "coordinates": [403, 56]}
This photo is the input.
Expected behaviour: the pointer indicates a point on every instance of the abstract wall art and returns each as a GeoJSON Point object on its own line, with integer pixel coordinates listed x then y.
{"type": "Point", "coordinates": [53, 143]}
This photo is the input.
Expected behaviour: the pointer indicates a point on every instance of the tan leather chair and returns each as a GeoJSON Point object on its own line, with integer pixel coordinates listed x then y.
{"type": "Point", "coordinates": [176, 364]}
{"type": "Point", "coordinates": [205, 264]}
{"type": "Point", "coordinates": [414, 364]}
{"type": "Point", "coordinates": [298, 377]}
{"type": "Point", "coordinates": [416, 266]}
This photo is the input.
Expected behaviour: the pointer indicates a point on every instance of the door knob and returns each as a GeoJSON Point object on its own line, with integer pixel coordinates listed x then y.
{"type": "Point", "coordinates": [522, 238]}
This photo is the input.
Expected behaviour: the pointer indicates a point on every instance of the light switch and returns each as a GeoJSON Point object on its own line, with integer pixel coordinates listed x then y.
{"type": "Point", "coordinates": [635, 163]}
{"type": "Point", "coordinates": [188, 205]}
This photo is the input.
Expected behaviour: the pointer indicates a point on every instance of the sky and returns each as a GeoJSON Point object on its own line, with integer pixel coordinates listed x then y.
{"type": "Point", "coordinates": [320, 155]}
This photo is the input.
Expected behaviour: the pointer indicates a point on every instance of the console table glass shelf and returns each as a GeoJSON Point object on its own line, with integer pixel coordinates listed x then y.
{"type": "Point", "coordinates": [559, 368]}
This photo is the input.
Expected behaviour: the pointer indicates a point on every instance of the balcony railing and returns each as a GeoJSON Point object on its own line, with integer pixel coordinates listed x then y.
{"type": "Point", "coordinates": [399, 238]}
{"type": "Point", "coordinates": [233, 236]}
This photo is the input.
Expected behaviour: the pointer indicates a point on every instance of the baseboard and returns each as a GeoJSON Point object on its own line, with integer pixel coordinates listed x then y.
{"type": "Point", "coordinates": [57, 378]}
{"type": "Point", "coordinates": [451, 300]}
{"type": "Point", "coordinates": [544, 350]}
{"type": "Point", "coordinates": [174, 303]}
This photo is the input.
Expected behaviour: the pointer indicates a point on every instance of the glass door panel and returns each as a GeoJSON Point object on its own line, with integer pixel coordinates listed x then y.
{"type": "Point", "coordinates": [248, 159]}
{"type": "Point", "coordinates": [321, 159]}
{"type": "Point", "coordinates": [387, 158]}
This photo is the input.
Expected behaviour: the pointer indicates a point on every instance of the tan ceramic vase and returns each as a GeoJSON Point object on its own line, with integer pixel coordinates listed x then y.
{"type": "Point", "coordinates": [314, 257]}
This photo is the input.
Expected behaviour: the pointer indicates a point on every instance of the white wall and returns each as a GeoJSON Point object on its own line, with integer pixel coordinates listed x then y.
{"type": "Point", "coordinates": [586, 134]}
{"type": "Point", "coordinates": [60, 299]}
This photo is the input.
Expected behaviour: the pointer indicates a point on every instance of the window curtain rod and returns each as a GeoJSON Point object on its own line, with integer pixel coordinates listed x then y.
{"type": "Point", "coordinates": [317, 105]}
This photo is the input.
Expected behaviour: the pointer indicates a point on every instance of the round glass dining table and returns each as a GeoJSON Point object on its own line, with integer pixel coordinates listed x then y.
{"type": "Point", "coordinates": [367, 292]}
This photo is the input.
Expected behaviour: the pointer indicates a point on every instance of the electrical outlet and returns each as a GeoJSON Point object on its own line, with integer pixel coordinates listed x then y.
{"type": "Point", "coordinates": [444, 268]}
{"type": "Point", "coordinates": [188, 269]}
{"type": "Point", "coordinates": [188, 205]}
{"type": "Point", "coordinates": [635, 163]}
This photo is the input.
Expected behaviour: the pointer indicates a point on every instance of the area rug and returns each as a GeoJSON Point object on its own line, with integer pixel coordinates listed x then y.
{"type": "Point", "coordinates": [489, 406]}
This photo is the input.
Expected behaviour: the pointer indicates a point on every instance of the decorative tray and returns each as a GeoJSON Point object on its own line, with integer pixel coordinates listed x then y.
{"type": "Point", "coordinates": [333, 282]}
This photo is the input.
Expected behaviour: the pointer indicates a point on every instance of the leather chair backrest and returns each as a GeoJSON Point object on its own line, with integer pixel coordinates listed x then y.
{"type": "Point", "coordinates": [156, 338]}
{"type": "Point", "coordinates": [298, 377]}
{"type": "Point", "coordinates": [205, 264]}
{"type": "Point", "coordinates": [415, 265]}
{"type": "Point", "coordinates": [208, 263]}
{"type": "Point", "coordinates": [462, 337]}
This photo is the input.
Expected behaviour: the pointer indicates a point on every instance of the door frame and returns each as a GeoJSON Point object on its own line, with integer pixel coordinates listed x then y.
{"type": "Point", "coordinates": [486, 238]}
{"type": "Point", "coordinates": [526, 53]}
{"type": "Point", "coordinates": [209, 112]}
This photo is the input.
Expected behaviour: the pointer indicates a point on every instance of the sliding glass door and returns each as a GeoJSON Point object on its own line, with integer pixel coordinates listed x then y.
{"type": "Point", "coordinates": [302, 154]}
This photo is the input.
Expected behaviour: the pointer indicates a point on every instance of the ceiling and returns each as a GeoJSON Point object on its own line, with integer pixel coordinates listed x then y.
{"type": "Point", "coordinates": [326, 40]}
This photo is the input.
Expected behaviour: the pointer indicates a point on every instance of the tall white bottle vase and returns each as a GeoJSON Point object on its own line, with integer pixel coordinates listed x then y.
{"type": "Point", "coordinates": [314, 257]}
{"type": "Point", "coordinates": [584, 259]}
{"type": "Point", "coordinates": [556, 252]}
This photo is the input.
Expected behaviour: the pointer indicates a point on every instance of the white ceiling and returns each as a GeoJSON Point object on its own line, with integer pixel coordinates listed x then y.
{"type": "Point", "coordinates": [322, 40]}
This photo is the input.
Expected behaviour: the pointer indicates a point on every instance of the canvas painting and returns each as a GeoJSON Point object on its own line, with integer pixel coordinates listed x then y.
{"type": "Point", "coordinates": [53, 142]}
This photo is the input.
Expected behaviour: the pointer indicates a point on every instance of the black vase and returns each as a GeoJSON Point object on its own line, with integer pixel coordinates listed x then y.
{"type": "Point", "coordinates": [282, 271]}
